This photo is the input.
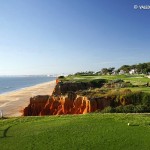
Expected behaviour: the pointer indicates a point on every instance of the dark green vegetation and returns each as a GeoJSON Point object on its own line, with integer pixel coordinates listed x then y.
{"type": "Point", "coordinates": [139, 68]}
{"type": "Point", "coordinates": [65, 85]}
{"type": "Point", "coordinates": [91, 131]}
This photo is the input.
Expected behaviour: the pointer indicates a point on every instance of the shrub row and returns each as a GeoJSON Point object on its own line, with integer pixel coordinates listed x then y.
{"type": "Point", "coordinates": [127, 109]}
{"type": "Point", "coordinates": [135, 98]}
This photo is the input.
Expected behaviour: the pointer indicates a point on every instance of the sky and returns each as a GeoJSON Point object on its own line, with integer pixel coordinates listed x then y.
{"type": "Point", "coordinates": [68, 36]}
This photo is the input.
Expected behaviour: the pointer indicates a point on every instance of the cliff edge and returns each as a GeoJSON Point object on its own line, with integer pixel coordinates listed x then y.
{"type": "Point", "coordinates": [50, 105]}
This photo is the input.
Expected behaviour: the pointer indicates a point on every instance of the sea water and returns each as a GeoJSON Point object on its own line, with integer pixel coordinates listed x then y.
{"type": "Point", "coordinates": [13, 83]}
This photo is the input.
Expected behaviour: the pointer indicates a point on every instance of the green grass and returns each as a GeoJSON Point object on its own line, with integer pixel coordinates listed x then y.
{"type": "Point", "coordinates": [91, 131]}
{"type": "Point", "coordinates": [134, 79]}
{"type": "Point", "coordinates": [143, 89]}
{"type": "Point", "coordinates": [139, 80]}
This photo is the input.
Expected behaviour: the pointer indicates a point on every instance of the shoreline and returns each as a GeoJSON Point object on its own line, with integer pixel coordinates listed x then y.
{"type": "Point", "coordinates": [12, 88]}
{"type": "Point", "coordinates": [23, 88]}
{"type": "Point", "coordinates": [12, 103]}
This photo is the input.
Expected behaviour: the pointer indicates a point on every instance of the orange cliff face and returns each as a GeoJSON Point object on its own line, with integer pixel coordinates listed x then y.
{"type": "Point", "coordinates": [70, 104]}
{"type": "Point", "coordinates": [49, 105]}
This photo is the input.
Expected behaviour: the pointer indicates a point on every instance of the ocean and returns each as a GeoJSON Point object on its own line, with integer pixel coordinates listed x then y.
{"type": "Point", "coordinates": [13, 83]}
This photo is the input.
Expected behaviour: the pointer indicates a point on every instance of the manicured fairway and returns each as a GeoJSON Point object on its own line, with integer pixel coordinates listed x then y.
{"type": "Point", "coordinates": [134, 79]}
{"type": "Point", "coordinates": [91, 131]}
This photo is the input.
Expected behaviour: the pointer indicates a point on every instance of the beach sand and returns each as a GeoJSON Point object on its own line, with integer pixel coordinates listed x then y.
{"type": "Point", "coordinates": [13, 103]}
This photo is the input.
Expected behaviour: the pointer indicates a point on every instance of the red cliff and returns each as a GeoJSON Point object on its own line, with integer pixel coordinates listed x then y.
{"type": "Point", "coordinates": [49, 105]}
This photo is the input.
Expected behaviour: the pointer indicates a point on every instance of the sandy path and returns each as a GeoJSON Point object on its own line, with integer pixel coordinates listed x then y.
{"type": "Point", "coordinates": [12, 103]}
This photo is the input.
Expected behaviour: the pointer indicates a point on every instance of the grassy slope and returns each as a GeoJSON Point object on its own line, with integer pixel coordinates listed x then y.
{"type": "Point", "coordinates": [92, 131]}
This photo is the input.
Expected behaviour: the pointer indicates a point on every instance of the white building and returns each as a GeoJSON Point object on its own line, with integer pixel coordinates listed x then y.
{"type": "Point", "coordinates": [121, 72]}
{"type": "Point", "coordinates": [132, 71]}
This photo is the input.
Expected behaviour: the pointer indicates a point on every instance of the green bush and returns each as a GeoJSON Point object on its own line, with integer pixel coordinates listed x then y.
{"type": "Point", "coordinates": [108, 110]}
{"type": "Point", "coordinates": [134, 98]}
{"type": "Point", "coordinates": [96, 83]}
{"type": "Point", "coordinates": [129, 108]}
{"type": "Point", "coordinates": [127, 84]}
{"type": "Point", "coordinates": [125, 109]}
{"type": "Point", "coordinates": [146, 99]}
{"type": "Point", "coordinates": [119, 109]}
{"type": "Point", "coordinates": [61, 77]}
{"type": "Point", "coordinates": [142, 108]}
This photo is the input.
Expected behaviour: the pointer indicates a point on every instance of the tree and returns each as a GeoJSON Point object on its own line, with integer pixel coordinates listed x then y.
{"type": "Point", "coordinates": [125, 68]}
{"type": "Point", "coordinates": [140, 68]}
{"type": "Point", "coordinates": [111, 69]}
{"type": "Point", "coordinates": [104, 71]}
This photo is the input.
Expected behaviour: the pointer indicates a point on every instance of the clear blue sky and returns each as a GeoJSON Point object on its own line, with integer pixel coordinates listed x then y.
{"type": "Point", "coordinates": [65, 36]}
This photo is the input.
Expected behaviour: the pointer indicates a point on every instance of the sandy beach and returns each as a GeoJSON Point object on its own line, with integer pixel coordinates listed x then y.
{"type": "Point", "coordinates": [13, 103]}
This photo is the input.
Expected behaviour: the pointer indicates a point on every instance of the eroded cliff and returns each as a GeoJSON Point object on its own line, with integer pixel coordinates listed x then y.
{"type": "Point", "coordinates": [50, 105]}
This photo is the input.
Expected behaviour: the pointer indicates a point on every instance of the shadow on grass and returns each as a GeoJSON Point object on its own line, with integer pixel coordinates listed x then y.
{"type": "Point", "coordinates": [134, 125]}
{"type": "Point", "coordinates": [5, 132]}
{"type": "Point", "coordinates": [3, 118]}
